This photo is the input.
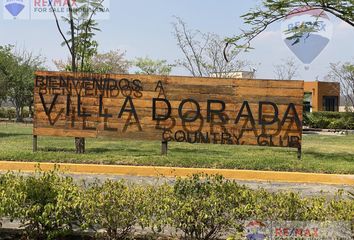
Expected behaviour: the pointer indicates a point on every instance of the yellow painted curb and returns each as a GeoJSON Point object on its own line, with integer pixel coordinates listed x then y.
{"type": "Point", "coordinates": [150, 171]}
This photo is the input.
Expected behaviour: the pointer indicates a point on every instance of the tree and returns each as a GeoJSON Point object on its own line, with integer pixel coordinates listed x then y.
{"type": "Point", "coordinates": [17, 74]}
{"type": "Point", "coordinates": [203, 53]}
{"type": "Point", "coordinates": [287, 70]}
{"type": "Point", "coordinates": [2, 91]}
{"type": "Point", "coordinates": [149, 66]}
{"type": "Point", "coordinates": [5, 56]}
{"type": "Point", "coordinates": [80, 40]}
{"type": "Point", "coordinates": [344, 74]}
{"type": "Point", "coordinates": [4, 52]}
{"type": "Point", "coordinates": [81, 31]}
{"type": "Point", "coordinates": [272, 11]}
{"type": "Point", "coordinates": [113, 62]}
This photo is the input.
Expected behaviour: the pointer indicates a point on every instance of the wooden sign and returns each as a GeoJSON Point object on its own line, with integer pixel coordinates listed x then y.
{"type": "Point", "coordinates": [169, 108]}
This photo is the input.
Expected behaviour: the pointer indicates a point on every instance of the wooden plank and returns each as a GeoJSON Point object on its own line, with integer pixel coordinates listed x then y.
{"type": "Point", "coordinates": [63, 133]}
{"type": "Point", "coordinates": [52, 118]}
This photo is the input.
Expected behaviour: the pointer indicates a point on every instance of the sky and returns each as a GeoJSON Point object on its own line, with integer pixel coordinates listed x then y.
{"type": "Point", "coordinates": [143, 28]}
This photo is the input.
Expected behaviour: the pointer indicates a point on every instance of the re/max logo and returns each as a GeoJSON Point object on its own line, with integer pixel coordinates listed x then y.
{"type": "Point", "coordinates": [296, 232]}
{"type": "Point", "coordinates": [55, 3]}
{"type": "Point", "coordinates": [316, 25]}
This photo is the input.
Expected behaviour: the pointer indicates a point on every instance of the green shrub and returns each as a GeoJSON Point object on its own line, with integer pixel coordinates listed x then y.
{"type": "Point", "coordinates": [329, 120]}
{"type": "Point", "coordinates": [7, 112]}
{"type": "Point", "coordinates": [114, 207]}
{"type": "Point", "coordinates": [11, 113]}
{"type": "Point", "coordinates": [201, 207]}
{"type": "Point", "coordinates": [47, 205]}
{"type": "Point", "coordinates": [342, 123]}
{"type": "Point", "coordinates": [286, 206]}
{"type": "Point", "coordinates": [157, 209]}
{"type": "Point", "coordinates": [316, 209]}
{"type": "Point", "coordinates": [318, 121]}
{"type": "Point", "coordinates": [341, 209]}
{"type": "Point", "coordinates": [25, 113]}
{"type": "Point", "coordinates": [3, 112]}
{"type": "Point", "coordinates": [11, 195]}
{"type": "Point", "coordinates": [333, 115]}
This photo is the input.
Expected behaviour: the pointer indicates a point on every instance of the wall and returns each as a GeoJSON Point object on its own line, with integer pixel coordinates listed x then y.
{"type": "Point", "coordinates": [169, 108]}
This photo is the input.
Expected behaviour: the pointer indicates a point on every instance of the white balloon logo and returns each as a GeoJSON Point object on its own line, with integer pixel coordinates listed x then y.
{"type": "Point", "coordinates": [308, 44]}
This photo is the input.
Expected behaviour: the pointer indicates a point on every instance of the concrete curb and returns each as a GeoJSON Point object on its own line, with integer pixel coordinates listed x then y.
{"type": "Point", "coordinates": [151, 171]}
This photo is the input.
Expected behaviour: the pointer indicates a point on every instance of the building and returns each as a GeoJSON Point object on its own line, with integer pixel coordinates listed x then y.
{"type": "Point", "coordinates": [237, 74]}
{"type": "Point", "coordinates": [321, 96]}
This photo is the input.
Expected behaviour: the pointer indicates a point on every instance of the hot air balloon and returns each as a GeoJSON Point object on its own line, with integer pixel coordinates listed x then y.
{"type": "Point", "coordinates": [14, 7]}
{"type": "Point", "coordinates": [307, 45]}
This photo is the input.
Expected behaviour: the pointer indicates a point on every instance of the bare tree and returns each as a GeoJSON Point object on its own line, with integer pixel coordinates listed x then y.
{"type": "Point", "coordinates": [287, 70]}
{"type": "Point", "coordinates": [344, 74]}
{"type": "Point", "coordinates": [203, 52]}
{"type": "Point", "coordinates": [109, 62]}
{"type": "Point", "coordinates": [216, 64]}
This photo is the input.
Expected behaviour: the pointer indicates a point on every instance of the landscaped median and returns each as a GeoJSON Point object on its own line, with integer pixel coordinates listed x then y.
{"type": "Point", "coordinates": [321, 154]}
{"type": "Point", "coordinates": [205, 203]}
{"type": "Point", "coordinates": [51, 206]}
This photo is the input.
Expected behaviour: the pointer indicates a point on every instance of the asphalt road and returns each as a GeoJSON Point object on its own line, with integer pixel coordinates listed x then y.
{"type": "Point", "coordinates": [303, 188]}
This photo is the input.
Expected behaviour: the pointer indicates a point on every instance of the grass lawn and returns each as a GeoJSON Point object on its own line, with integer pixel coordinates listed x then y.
{"type": "Point", "coordinates": [324, 154]}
